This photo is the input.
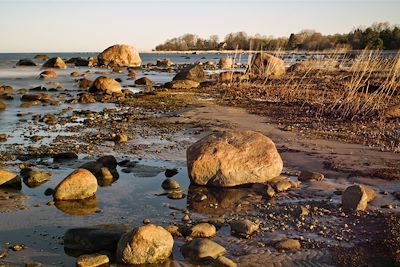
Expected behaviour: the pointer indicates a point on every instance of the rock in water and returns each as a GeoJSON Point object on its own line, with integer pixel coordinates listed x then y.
{"type": "Point", "coordinates": [105, 85]}
{"type": "Point", "coordinates": [201, 249]}
{"type": "Point", "coordinates": [233, 158]}
{"type": "Point", "coordinates": [59, 157]}
{"type": "Point", "coordinates": [55, 62]}
{"type": "Point", "coordinates": [47, 74]}
{"type": "Point", "coordinates": [203, 230]}
{"type": "Point", "coordinates": [8, 178]}
{"type": "Point", "coordinates": [170, 184]}
{"type": "Point", "coordinates": [33, 177]}
{"type": "Point", "coordinates": [26, 62]}
{"type": "Point", "coordinates": [192, 72]}
{"type": "Point", "coordinates": [356, 197]}
{"type": "Point", "coordinates": [2, 105]}
{"type": "Point", "coordinates": [94, 239]}
{"type": "Point", "coordinates": [80, 184]}
{"type": "Point", "coordinates": [263, 64]}
{"type": "Point", "coordinates": [120, 56]}
{"type": "Point", "coordinates": [92, 260]}
{"type": "Point", "coordinates": [144, 81]}
{"type": "Point", "coordinates": [145, 245]}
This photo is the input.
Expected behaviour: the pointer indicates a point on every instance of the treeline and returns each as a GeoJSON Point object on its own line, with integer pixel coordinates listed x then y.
{"type": "Point", "coordinates": [377, 36]}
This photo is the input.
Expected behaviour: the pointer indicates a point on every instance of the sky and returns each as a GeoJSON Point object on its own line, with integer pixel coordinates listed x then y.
{"type": "Point", "coordinates": [93, 25]}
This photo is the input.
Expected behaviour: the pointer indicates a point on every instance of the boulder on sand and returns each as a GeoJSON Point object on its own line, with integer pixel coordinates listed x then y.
{"type": "Point", "coordinates": [191, 72]}
{"type": "Point", "coordinates": [145, 245]}
{"type": "Point", "coordinates": [264, 64]}
{"type": "Point", "coordinates": [105, 85]}
{"type": "Point", "coordinates": [55, 62]}
{"type": "Point", "coordinates": [233, 158]}
{"type": "Point", "coordinates": [80, 184]}
{"type": "Point", "coordinates": [356, 197]}
{"type": "Point", "coordinates": [182, 84]}
{"type": "Point", "coordinates": [120, 56]}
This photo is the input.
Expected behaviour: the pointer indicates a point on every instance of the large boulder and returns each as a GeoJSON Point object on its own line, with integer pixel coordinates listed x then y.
{"type": "Point", "coordinates": [264, 64]}
{"type": "Point", "coordinates": [120, 56]}
{"type": "Point", "coordinates": [80, 184]}
{"type": "Point", "coordinates": [145, 245]}
{"type": "Point", "coordinates": [106, 85]}
{"type": "Point", "coordinates": [233, 158]}
{"type": "Point", "coordinates": [191, 72]}
{"type": "Point", "coordinates": [55, 62]}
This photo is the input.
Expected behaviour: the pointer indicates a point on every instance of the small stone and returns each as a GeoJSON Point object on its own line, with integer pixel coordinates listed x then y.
{"type": "Point", "coordinates": [356, 197]}
{"type": "Point", "coordinates": [186, 218]}
{"type": "Point", "coordinates": [33, 264]}
{"type": "Point", "coordinates": [288, 244]}
{"type": "Point", "coordinates": [170, 172]}
{"type": "Point", "coordinates": [303, 211]}
{"type": "Point", "coordinates": [3, 254]}
{"type": "Point", "coordinates": [50, 203]}
{"type": "Point", "coordinates": [173, 230]}
{"type": "Point", "coordinates": [49, 192]}
{"type": "Point", "coordinates": [308, 175]}
{"type": "Point", "coordinates": [17, 247]}
{"type": "Point", "coordinates": [270, 192]}
{"type": "Point", "coordinates": [92, 260]}
{"type": "Point", "coordinates": [146, 221]}
{"type": "Point", "coordinates": [170, 184]}
{"type": "Point", "coordinates": [121, 138]}
{"type": "Point", "coordinates": [203, 230]}
{"type": "Point", "coordinates": [244, 227]}
{"type": "Point", "coordinates": [283, 186]}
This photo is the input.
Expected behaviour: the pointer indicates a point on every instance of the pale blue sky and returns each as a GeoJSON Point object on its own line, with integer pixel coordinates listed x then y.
{"type": "Point", "coordinates": [89, 25]}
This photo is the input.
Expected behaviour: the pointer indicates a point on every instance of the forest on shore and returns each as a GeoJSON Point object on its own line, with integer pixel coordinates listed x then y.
{"type": "Point", "coordinates": [378, 36]}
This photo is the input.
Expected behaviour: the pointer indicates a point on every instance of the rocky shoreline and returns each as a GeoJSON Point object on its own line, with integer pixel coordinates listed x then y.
{"type": "Point", "coordinates": [83, 164]}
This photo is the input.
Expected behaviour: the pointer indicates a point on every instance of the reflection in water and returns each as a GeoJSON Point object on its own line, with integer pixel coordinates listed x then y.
{"type": "Point", "coordinates": [221, 200]}
{"type": "Point", "coordinates": [78, 207]}
{"type": "Point", "coordinates": [107, 179]}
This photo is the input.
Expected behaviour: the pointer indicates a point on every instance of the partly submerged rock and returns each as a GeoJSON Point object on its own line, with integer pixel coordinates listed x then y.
{"type": "Point", "coordinates": [26, 62]}
{"type": "Point", "coordinates": [120, 55]}
{"type": "Point", "coordinates": [80, 184]}
{"type": "Point", "coordinates": [105, 85]}
{"type": "Point", "coordinates": [233, 158]}
{"type": "Point", "coordinates": [144, 81]}
{"type": "Point", "coordinates": [191, 72]}
{"type": "Point", "coordinates": [33, 177]}
{"type": "Point", "coordinates": [93, 239]}
{"type": "Point", "coordinates": [92, 260]}
{"type": "Point", "coordinates": [147, 244]}
{"type": "Point", "coordinates": [55, 62]}
{"type": "Point", "coordinates": [309, 175]}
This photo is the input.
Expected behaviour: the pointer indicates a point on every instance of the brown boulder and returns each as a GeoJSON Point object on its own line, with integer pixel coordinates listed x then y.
{"type": "Point", "coordinates": [55, 62]}
{"type": "Point", "coordinates": [147, 244]}
{"type": "Point", "coordinates": [263, 65]}
{"type": "Point", "coordinates": [120, 56]}
{"type": "Point", "coordinates": [80, 184]}
{"type": "Point", "coordinates": [191, 72]}
{"type": "Point", "coordinates": [356, 197]}
{"type": "Point", "coordinates": [144, 81]}
{"type": "Point", "coordinates": [233, 158]}
{"type": "Point", "coordinates": [26, 62]}
{"type": "Point", "coordinates": [106, 85]}
{"type": "Point", "coordinates": [48, 74]}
